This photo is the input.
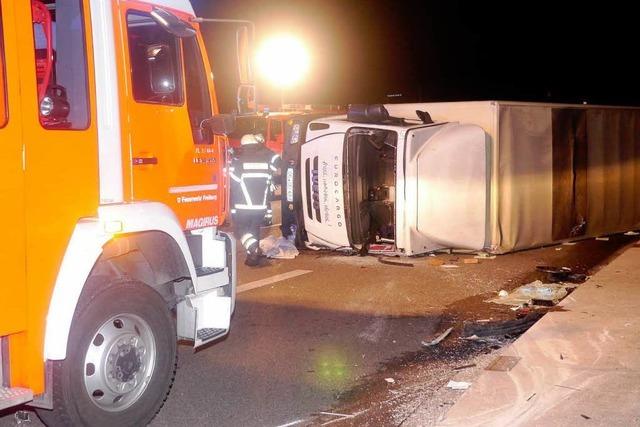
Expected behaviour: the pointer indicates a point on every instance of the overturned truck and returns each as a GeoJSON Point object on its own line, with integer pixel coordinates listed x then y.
{"type": "Point", "coordinates": [488, 175]}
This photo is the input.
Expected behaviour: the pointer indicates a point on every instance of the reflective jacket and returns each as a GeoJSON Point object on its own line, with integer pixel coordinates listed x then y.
{"type": "Point", "coordinates": [251, 173]}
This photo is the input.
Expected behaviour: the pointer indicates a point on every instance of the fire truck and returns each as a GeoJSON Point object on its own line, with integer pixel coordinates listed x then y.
{"type": "Point", "coordinates": [112, 188]}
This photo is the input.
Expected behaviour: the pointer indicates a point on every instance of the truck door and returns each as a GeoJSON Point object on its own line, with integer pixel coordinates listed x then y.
{"type": "Point", "coordinates": [167, 95]}
{"type": "Point", "coordinates": [11, 182]}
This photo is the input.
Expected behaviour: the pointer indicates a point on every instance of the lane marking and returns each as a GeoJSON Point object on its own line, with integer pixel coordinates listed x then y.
{"type": "Point", "coordinates": [269, 280]}
{"type": "Point", "coordinates": [293, 423]}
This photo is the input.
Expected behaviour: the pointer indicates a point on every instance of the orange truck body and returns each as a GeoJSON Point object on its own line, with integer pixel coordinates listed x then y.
{"type": "Point", "coordinates": [126, 158]}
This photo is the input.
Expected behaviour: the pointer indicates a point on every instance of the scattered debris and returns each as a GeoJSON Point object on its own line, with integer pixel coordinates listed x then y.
{"type": "Point", "coordinates": [586, 417]}
{"type": "Point", "coordinates": [385, 261]}
{"type": "Point", "coordinates": [561, 356]}
{"type": "Point", "coordinates": [603, 239]}
{"type": "Point", "coordinates": [390, 380]}
{"type": "Point", "coordinates": [569, 243]}
{"type": "Point", "coordinates": [484, 255]}
{"type": "Point", "coordinates": [531, 397]}
{"type": "Point", "coordinates": [22, 417]}
{"type": "Point", "coordinates": [503, 293]}
{"type": "Point", "coordinates": [281, 248]}
{"type": "Point", "coordinates": [436, 262]}
{"type": "Point", "coordinates": [631, 233]}
{"type": "Point", "coordinates": [459, 368]}
{"type": "Point", "coordinates": [503, 363]}
{"type": "Point", "coordinates": [439, 338]}
{"type": "Point", "coordinates": [544, 293]}
{"type": "Point", "coordinates": [458, 385]}
{"type": "Point", "coordinates": [449, 266]}
{"type": "Point", "coordinates": [500, 328]}
{"type": "Point", "coordinates": [562, 274]}
{"type": "Point", "coordinates": [471, 261]}
{"type": "Point", "coordinates": [558, 249]}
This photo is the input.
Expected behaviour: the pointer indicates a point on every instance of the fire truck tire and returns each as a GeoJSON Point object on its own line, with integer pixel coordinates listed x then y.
{"type": "Point", "coordinates": [121, 359]}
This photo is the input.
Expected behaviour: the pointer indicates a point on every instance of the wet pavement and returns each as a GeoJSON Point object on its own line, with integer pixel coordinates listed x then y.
{"type": "Point", "coordinates": [326, 340]}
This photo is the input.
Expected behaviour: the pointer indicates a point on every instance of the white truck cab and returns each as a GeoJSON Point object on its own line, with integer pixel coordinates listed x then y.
{"type": "Point", "coordinates": [393, 185]}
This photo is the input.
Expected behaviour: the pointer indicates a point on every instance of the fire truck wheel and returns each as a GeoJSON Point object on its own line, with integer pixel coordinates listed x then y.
{"type": "Point", "coordinates": [121, 359]}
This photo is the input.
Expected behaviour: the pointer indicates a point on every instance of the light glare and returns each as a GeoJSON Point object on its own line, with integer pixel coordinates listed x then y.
{"type": "Point", "coordinates": [283, 60]}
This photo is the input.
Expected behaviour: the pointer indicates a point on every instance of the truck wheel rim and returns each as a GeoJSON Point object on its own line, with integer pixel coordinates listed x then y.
{"type": "Point", "coordinates": [119, 362]}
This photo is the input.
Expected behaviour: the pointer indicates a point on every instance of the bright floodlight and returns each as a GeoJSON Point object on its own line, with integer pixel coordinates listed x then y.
{"type": "Point", "coordinates": [283, 60]}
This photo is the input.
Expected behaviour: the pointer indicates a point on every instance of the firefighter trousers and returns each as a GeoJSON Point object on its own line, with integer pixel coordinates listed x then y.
{"type": "Point", "coordinates": [247, 229]}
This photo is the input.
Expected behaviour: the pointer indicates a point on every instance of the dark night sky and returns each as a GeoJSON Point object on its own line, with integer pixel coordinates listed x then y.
{"type": "Point", "coordinates": [446, 50]}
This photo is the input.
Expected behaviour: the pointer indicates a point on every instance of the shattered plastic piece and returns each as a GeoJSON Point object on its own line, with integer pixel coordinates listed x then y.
{"type": "Point", "coordinates": [390, 380]}
{"type": "Point", "coordinates": [438, 338]}
{"type": "Point", "coordinates": [280, 247]}
{"type": "Point", "coordinates": [484, 255]}
{"type": "Point", "coordinates": [458, 385]}
{"type": "Point", "coordinates": [552, 292]}
{"type": "Point", "coordinates": [387, 261]}
{"type": "Point", "coordinates": [631, 233]}
{"type": "Point", "coordinates": [558, 249]}
{"type": "Point", "coordinates": [503, 294]}
{"type": "Point", "coordinates": [603, 239]}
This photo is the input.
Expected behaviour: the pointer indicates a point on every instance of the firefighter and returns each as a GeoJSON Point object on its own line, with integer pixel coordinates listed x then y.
{"type": "Point", "coordinates": [251, 172]}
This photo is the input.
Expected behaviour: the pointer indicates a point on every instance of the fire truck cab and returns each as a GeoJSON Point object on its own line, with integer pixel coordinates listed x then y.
{"type": "Point", "coordinates": [112, 188]}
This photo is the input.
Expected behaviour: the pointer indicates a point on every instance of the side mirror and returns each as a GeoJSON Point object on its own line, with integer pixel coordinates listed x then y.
{"type": "Point", "coordinates": [172, 24]}
{"type": "Point", "coordinates": [220, 124]}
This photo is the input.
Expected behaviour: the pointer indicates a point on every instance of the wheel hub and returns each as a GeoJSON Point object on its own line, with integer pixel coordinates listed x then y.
{"type": "Point", "coordinates": [119, 362]}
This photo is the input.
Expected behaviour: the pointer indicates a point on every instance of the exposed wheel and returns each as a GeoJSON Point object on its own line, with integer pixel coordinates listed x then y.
{"type": "Point", "coordinates": [121, 359]}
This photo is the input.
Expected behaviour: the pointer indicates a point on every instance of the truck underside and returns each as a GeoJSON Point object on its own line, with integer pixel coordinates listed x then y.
{"type": "Point", "coordinates": [370, 175]}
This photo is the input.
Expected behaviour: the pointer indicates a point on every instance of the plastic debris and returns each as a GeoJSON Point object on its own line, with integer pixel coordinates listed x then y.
{"type": "Point", "coordinates": [280, 248]}
{"type": "Point", "coordinates": [500, 328]}
{"type": "Point", "coordinates": [484, 255]}
{"type": "Point", "coordinates": [436, 262]}
{"type": "Point", "coordinates": [569, 243]}
{"type": "Point", "coordinates": [388, 261]}
{"type": "Point", "coordinates": [390, 380]}
{"type": "Point", "coordinates": [602, 239]}
{"type": "Point", "coordinates": [439, 338]}
{"type": "Point", "coordinates": [449, 266]}
{"type": "Point", "coordinates": [503, 294]}
{"type": "Point", "coordinates": [558, 249]}
{"type": "Point", "coordinates": [458, 385]}
{"type": "Point", "coordinates": [631, 233]}
{"type": "Point", "coordinates": [538, 291]}
{"type": "Point", "coordinates": [561, 274]}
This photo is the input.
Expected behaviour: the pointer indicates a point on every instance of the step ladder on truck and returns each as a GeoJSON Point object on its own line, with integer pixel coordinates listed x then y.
{"type": "Point", "coordinates": [112, 186]}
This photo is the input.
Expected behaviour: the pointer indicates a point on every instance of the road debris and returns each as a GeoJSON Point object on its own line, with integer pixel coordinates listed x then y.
{"type": "Point", "coordinates": [631, 233]}
{"type": "Point", "coordinates": [500, 328]}
{"type": "Point", "coordinates": [558, 249]}
{"type": "Point", "coordinates": [603, 239]}
{"type": "Point", "coordinates": [390, 380]}
{"type": "Point", "coordinates": [436, 262]}
{"type": "Point", "coordinates": [458, 385]}
{"type": "Point", "coordinates": [484, 255]}
{"type": "Point", "coordinates": [586, 417]}
{"type": "Point", "coordinates": [531, 397]}
{"type": "Point", "coordinates": [569, 243]}
{"type": "Point", "coordinates": [387, 261]}
{"type": "Point", "coordinates": [459, 368]}
{"type": "Point", "coordinates": [503, 293]}
{"type": "Point", "coordinates": [437, 340]}
{"type": "Point", "coordinates": [543, 293]}
{"type": "Point", "coordinates": [562, 274]}
{"type": "Point", "coordinates": [449, 266]}
{"type": "Point", "coordinates": [280, 248]}
{"type": "Point", "coordinates": [471, 261]}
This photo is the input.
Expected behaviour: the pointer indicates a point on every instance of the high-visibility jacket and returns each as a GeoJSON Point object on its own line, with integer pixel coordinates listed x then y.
{"type": "Point", "coordinates": [251, 173]}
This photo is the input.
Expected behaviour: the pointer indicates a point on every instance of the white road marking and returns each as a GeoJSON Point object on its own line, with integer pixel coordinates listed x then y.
{"type": "Point", "coordinates": [269, 280]}
{"type": "Point", "coordinates": [292, 423]}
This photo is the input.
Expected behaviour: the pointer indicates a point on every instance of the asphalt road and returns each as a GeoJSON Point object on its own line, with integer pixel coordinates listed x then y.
{"type": "Point", "coordinates": [301, 345]}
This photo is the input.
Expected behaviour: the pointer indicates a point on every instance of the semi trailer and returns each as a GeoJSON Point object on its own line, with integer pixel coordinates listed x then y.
{"type": "Point", "coordinates": [491, 176]}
